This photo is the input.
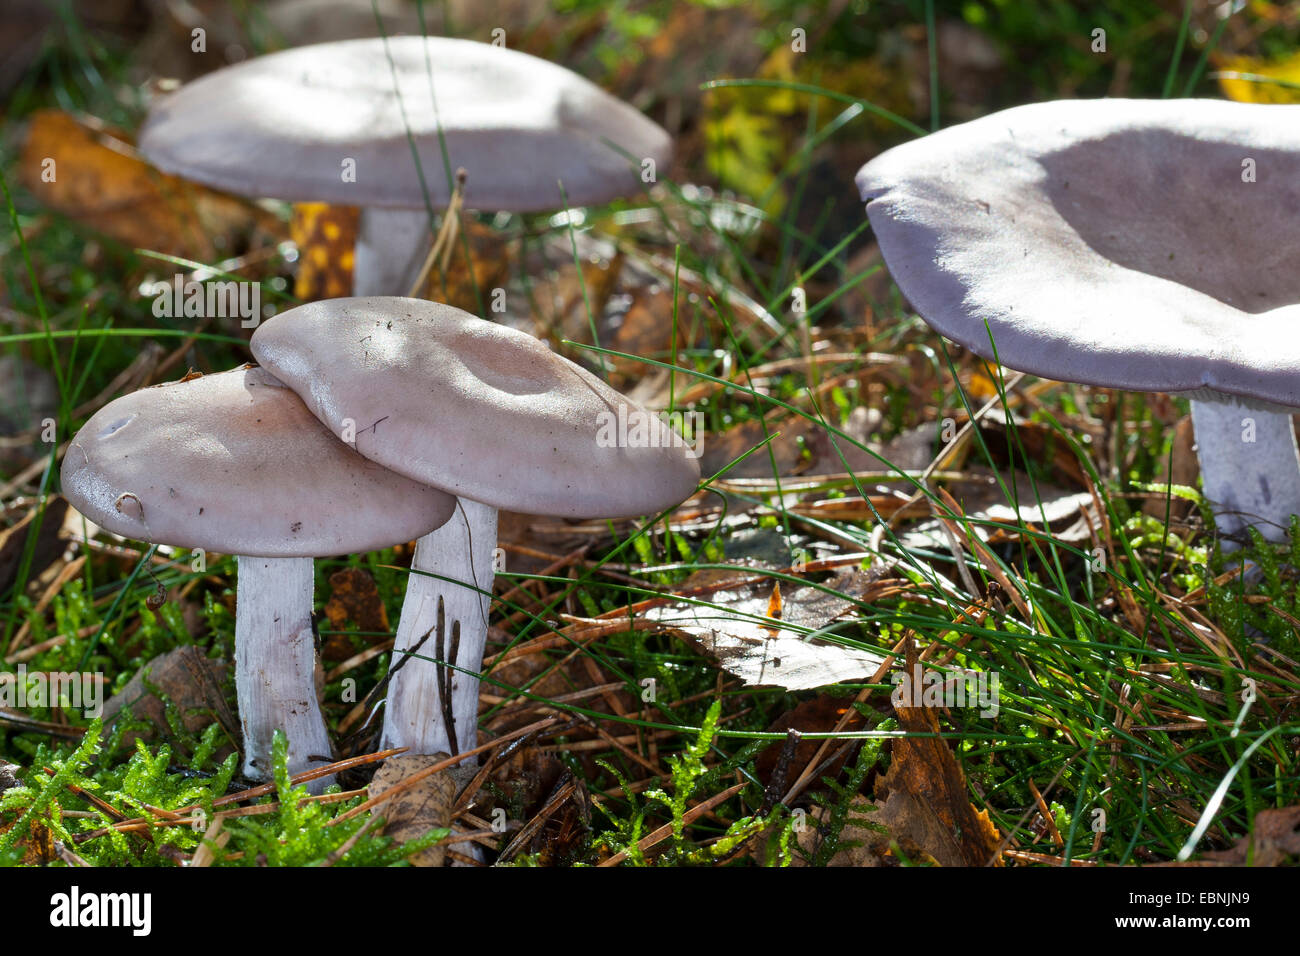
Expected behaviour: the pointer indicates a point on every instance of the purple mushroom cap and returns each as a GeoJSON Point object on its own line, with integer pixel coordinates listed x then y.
{"type": "Point", "coordinates": [1121, 243]}
{"type": "Point", "coordinates": [1136, 244]}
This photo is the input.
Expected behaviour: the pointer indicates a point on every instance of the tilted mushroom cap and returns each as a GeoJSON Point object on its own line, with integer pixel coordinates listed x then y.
{"type": "Point", "coordinates": [474, 408]}
{"type": "Point", "coordinates": [1107, 242]}
{"type": "Point", "coordinates": [234, 462]}
{"type": "Point", "coordinates": [282, 125]}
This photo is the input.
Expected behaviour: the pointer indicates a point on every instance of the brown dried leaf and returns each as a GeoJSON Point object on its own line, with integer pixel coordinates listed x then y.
{"type": "Point", "coordinates": [38, 842]}
{"type": "Point", "coordinates": [860, 843]}
{"type": "Point", "coordinates": [353, 598]}
{"type": "Point", "coordinates": [639, 321]}
{"type": "Point", "coordinates": [28, 395]}
{"type": "Point", "coordinates": [559, 292]}
{"type": "Point", "coordinates": [1182, 470]}
{"type": "Point", "coordinates": [488, 268]}
{"type": "Point", "coordinates": [817, 715]}
{"type": "Point", "coordinates": [792, 448]}
{"type": "Point", "coordinates": [94, 178]}
{"type": "Point", "coordinates": [559, 831]}
{"type": "Point", "coordinates": [423, 807]}
{"type": "Point", "coordinates": [187, 680]}
{"type": "Point", "coordinates": [326, 237]}
{"type": "Point", "coordinates": [1274, 842]}
{"type": "Point", "coordinates": [1066, 515]}
{"type": "Point", "coordinates": [48, 545]}
{"type": "Point", "coordinates": [520, 783]}
{"type": "Point", "coordinates": [924, 795]}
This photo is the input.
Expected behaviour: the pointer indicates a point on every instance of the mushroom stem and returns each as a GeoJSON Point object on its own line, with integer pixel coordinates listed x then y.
{"type": "Point", "coordinates": [391, 247]}
{"type": "Point", "coordinates": [275, 666]}
{"type": "Point", "coordinates": [462, 551]}
{"type": "Point", "coordinates": [1250, 467]}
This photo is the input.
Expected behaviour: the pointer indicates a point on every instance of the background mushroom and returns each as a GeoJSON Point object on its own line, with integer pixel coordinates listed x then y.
{"type": "Point", "coordinates": [485, 413]}
{"type": "Point", "coordinates": [1133, 244]}
{"type": "Point", "coordinates": [339, 122]}
{"type": "Point", "coordinates": [235, 463]}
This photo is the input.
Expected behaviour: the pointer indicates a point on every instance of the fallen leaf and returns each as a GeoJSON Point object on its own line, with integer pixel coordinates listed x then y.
{"type": "Point", "coordinates": [28, 396]}
{"type": "Point", "coordinates": [559, 831]}
{"type": "Point", "coordinates": [1032, 441]}
{"type": "Point", "coordinates": [38, 842]}
{"type": "Point", "coordinates": [49, 543]}
{"type": "Point", "coordinates": [355, 599]}
{"type": "Point", "coordinates": [791, 448]}
{"type": "Point", "coordinates": [736, 630]}
{"type": "Point", "coordinates": [1286, 69]}
{"type": "Point", "coordinates": [1274, 841]}
{"type": "Point", "coordinates": [488, 268]}
{"type": "Point", "coordinates": [520, 783]}
{"type": "Point", "coordinates": [1182, 470]}
{"type": "Point", "coordinates": [860, 843]}
{"type": "Point", "coordinates": [558, 293]}
{"type": "Point", "coordinates": [638, 321]}
{"type": "Point", "coordinates": [910, 450]}
{"type": "Point", "coordinates": [922, 797]}
{"type": "Point", "coordinates": [187, 680]}
{"type": "Point", "coordinates": [94, 177]}
{"type": "Point", "coordinates": [326, 237]}
{"type": "Point", "coordinates": [820, 714]}
{"type": "Point", "coordinates": [425, 806]}
{"type": "Point", "coordinates": [1066, 515]}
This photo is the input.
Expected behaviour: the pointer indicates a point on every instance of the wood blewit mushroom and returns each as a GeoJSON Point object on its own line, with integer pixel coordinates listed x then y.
{"type": "Point", "coordinates": [343, 123]}
{"type": "Point", "coordinates": [235, 463]}
{"type": "Point", "coordinates": [1132, 244]}
{"type": "Point", "coordinates": [492, 416]}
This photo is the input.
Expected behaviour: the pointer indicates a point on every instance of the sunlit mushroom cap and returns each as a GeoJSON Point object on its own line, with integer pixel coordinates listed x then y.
{"type": "Point", "coordinates": [475, 408]}
{"type": "Point", "coordinates": [1135, 244]}
{"type": "Point", "coordinates": [289, 125]}
{"type": "Point", "coordinates": [234, 463]}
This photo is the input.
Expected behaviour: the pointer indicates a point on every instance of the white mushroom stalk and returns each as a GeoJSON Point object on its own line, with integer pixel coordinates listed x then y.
{"type": "Point", "coordinates": [433, 691]}
{"type": "Point", "coordinates": [391, 248]}
{"type": "Point", "coordinates": [275, 666]}
{"type": "Point", "coordinates": [1250, 465]}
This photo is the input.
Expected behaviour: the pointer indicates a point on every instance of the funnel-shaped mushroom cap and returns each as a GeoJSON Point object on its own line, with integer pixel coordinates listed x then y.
{"type": "Point", "coordinates": [1143, 245]}
{"type": "Point", "coordinates": [286, 126]}
{"type": "Point", "coordinates": [477, 409]}
{"type": "Point", "coordinates": [235, 463]}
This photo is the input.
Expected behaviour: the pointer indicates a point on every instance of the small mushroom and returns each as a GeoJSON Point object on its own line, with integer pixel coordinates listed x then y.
{"type": "Point", "coordinates": [235, 463]}
{"type": "Point", "coordinates": [492, 416]}
{"type": "Point", "coordinates": [340, 122]}
{"type": "Point", "coordinates": [1132, 244]}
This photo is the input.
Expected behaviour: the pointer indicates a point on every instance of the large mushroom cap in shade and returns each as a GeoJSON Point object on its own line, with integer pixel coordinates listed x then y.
{"type": "Point", "coordinates": [476, 409]}
{"type": "Point", "coordinates": [281, 125]}
{"type": "Point", "coordinates": [234, 462]}
{"type": "Point", "coordinates": [1107, 242]}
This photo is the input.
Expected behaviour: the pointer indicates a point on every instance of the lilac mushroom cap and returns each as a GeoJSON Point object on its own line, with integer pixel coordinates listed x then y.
{"type": "Point", "coordinates": [1133, 244]}
{"type": "Point", "coordinates": [476, 409]}
{"type": "Point", "coordinates": [344, 122]}
{"type": "Point", "coordinates": [234, 462]}
{"type": "Point", "coordinates": [281, 125]}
